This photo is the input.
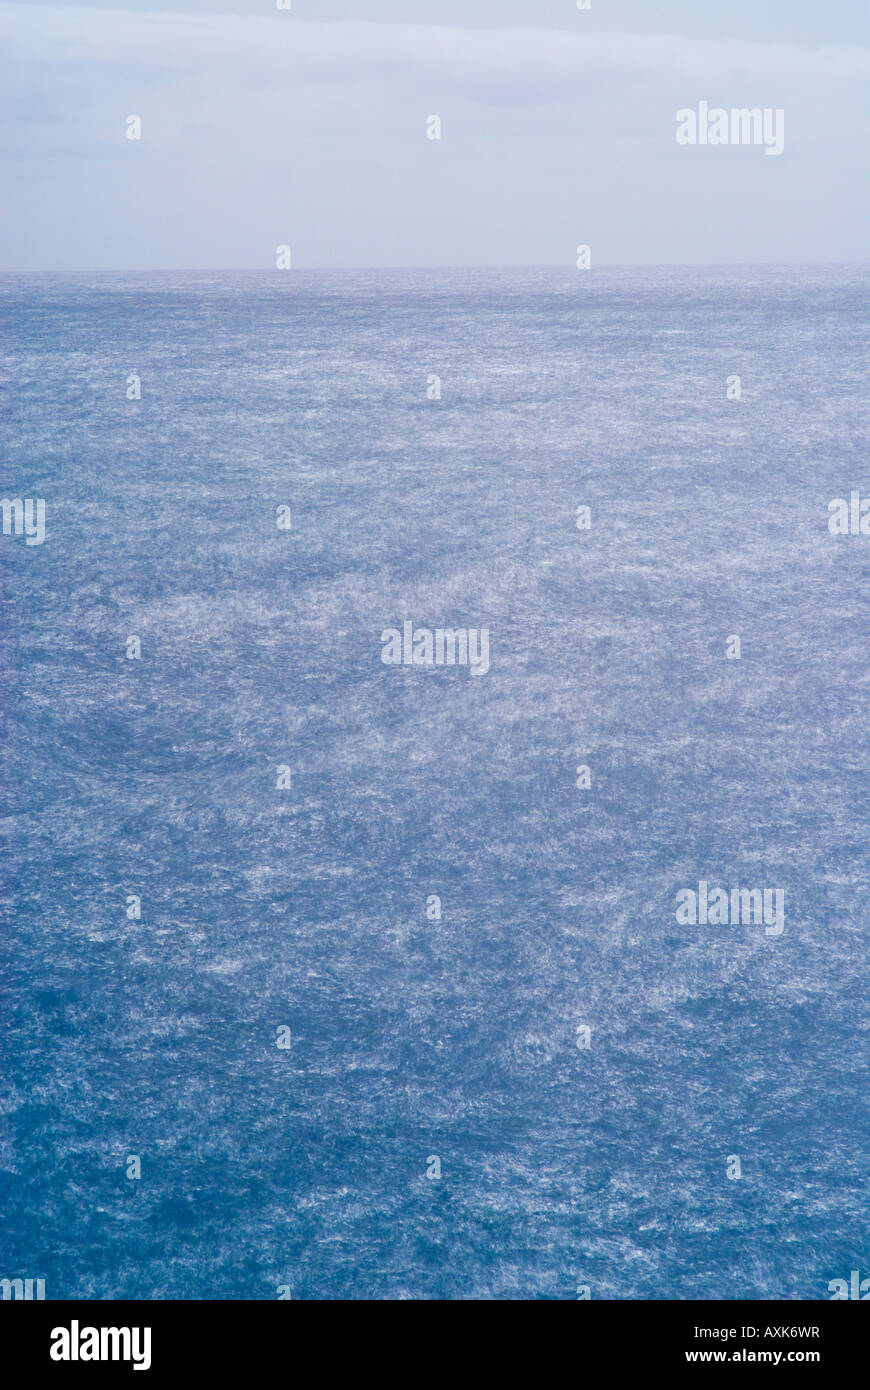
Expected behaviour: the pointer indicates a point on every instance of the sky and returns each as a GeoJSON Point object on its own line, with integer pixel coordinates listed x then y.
{"type": "Point", "coordinates": [308, 128]}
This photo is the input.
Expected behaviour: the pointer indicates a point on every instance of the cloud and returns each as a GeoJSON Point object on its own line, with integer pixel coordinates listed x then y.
{"type": "Point", "coordinates": [273, 47]}
{"type": "Point", "coordinates": [77, 64]}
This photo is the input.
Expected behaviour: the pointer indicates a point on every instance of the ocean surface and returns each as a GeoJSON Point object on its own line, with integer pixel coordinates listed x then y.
{"type": "Point", "coordinates": [415, 1037]}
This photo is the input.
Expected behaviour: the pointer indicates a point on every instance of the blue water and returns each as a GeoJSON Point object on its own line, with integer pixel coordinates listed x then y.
{"type": "Point", "coordinates": [413, 1038]}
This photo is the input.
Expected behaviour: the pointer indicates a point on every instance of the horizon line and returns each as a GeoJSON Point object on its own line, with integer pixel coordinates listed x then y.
{"type": "Point", "coordinates": [394, 269]}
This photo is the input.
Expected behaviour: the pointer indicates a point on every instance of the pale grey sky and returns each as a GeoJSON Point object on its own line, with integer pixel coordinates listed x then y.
{"type": "Point", "coordinates": [308, 128]}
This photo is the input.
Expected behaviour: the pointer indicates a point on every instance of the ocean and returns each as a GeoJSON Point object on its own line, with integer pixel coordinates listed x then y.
{"type": "Point", "coordinates": [407, 1011]}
